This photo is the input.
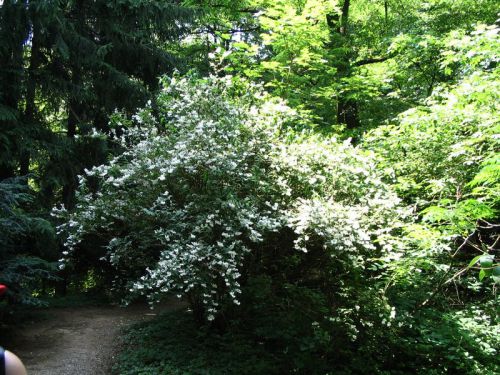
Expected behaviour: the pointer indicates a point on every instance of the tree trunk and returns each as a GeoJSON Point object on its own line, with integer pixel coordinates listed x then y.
{"type": "Point", "coordinates": [347, 112]}
{"type": "Point", "coordinates": [197, 307]}
{"type": "Point", "coordinates": [386, 12]}
{"type": "Point", "coordinates": [344, 19]}
{"type": "Point", "coordinates": [61, 285]}
{"type": "Point", "coordinates": [74, 108]}
{"type": "Point", "coordinates": [70, 185]}
{"type": "Point", "coordinates": [347, 107]}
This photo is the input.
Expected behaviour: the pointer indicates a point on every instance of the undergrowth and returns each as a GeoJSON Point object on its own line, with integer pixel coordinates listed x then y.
{"type": "Point", "coordinates": [173, 344]}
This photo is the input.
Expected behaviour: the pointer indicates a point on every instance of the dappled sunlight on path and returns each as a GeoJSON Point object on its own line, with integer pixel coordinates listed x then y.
{"type": "Point", "coordinates": [81, 340]}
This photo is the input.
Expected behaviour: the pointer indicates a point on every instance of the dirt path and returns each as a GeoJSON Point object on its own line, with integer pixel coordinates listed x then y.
{"type": "Point", "coordinates": [78, 341]}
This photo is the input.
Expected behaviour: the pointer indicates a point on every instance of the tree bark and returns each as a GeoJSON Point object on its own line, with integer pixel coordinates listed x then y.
{"type": "Point", "coordinates": [347, 107]}
{"type": "Point", "coordinates": [75, 107]}
{"type": "Point", "coordinates": [344, 19]}
{"type": "Point", "coordinates": [68, 193]}
{"type": "Point", "coordinates": [348, 112]}
{"type": "Point", "coordinates": [386, 12]}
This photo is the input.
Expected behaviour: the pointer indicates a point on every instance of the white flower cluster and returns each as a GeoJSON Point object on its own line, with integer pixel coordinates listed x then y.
{"type": "Point", "coordinates": [205, 181]}
{"type": "Point", "coordinates": [340, 198]}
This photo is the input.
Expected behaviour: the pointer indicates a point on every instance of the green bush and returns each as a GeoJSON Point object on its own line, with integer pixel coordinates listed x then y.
{"type": "Point", "coordinates": [207, 186]}
{"type": "Point", "coordinates": [444, 157]}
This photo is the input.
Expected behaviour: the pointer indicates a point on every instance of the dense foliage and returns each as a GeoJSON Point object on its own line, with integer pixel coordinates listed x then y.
{"type": "Point", "coordinates": [243, 216]}
{"type": "Point", "coordinates": [318, 179]}
{"type": "Point", "coordinates": [62, 74]}
{"type": "Point", "coordinates": [215, 182]}
{"type": "Point", "coordinates": [27, 245]}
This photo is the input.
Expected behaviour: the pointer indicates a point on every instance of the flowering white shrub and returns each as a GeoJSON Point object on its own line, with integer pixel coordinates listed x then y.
{"type": "Point", "coordinates": [202, 184]}
{"type": "Point", "coordinates": [337, 196]}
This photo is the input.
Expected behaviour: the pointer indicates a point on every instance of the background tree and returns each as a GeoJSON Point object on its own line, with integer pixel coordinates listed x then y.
{"type": "Point", "coordinates": [66, 67]}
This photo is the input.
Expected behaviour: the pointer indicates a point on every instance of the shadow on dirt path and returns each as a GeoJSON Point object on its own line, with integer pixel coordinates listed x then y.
{"type": "Point", "coordinates": [79, 341]}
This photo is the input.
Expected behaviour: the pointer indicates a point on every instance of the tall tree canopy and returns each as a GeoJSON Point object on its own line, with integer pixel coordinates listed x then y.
{"type": "Point", "coordinates": [66, 66]}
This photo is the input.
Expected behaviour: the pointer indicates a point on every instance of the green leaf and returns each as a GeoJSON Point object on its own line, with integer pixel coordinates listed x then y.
{"type": "Point", "coordinates": [495, 274]}
{"type": "Point", "coordinates": [435, 214]}
{"type": "Point", "coordinates": [241, 45]}
{"type": "Point", "coordinates": [62, 47]}
{"type": "Point", "coordinates": [7, 113]}
{"type": "Point", "coordinates": [482, 274]}
{"type": "Point", "coordinates": [474, 261]}
{"type": "Point", "coordinates": [485, 273]}
{"type": "Point", "coordinates": [486, 260]}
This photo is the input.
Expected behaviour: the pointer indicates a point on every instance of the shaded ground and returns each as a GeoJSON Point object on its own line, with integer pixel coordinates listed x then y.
{"type": "Point", "coordinates": [78, 340]}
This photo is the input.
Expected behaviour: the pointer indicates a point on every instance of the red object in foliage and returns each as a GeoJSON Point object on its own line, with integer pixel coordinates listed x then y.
{"type": "Point", "coordinates": [3, 289]}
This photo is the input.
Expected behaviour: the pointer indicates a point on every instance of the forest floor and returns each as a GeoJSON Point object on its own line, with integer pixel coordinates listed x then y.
{"type": "Point", "coordinates": [78, 340]}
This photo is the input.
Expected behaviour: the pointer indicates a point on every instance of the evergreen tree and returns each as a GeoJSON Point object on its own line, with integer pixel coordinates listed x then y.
{"type": "Point", "coordinates": [66, 66]}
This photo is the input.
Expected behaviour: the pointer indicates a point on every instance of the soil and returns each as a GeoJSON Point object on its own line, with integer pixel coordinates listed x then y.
{"type": "Point", "coordinates": [78, 340]}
